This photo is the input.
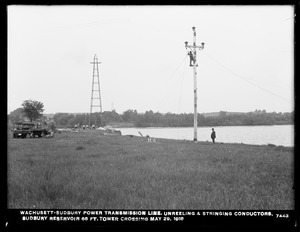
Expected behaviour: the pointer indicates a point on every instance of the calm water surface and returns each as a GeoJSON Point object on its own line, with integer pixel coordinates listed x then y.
{"type": "Point", "coordinates": [259, 135]}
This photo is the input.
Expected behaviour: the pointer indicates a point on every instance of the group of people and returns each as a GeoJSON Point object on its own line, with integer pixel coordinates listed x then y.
{"type": "Point", "coordinates": [76, 126]}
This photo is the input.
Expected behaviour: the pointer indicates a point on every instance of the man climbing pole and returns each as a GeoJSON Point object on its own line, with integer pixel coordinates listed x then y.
{"type": "Point", "coordinates": [191, 58]}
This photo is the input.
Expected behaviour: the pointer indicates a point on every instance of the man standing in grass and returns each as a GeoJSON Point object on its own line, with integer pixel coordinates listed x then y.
{"type": "Point", "coordinates": [213, 135]}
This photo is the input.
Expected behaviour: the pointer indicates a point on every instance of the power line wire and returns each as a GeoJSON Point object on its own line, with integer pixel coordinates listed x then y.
{"type": "Point", "coordinates": [183, 74]}
{"type": "Point", "coordinates": [163, 98]}
{"type": "Point", "coordinates": [250, 82]}
{"type": "Point", "coordinates": [179, 65]}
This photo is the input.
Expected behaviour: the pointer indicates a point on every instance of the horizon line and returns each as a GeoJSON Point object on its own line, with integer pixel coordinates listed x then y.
{"type": "Point", "coordinates": [212, 112]}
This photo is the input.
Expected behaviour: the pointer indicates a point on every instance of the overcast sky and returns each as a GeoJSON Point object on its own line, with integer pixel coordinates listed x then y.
{"type": "Point", "coordinates": [247, 62]}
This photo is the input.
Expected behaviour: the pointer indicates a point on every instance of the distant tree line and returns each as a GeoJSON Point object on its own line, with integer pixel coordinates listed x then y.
{"type": "Point", "coordinates": [97, 119]}
{"type": "Point", "coordinates": [33, 111]}
{"type": "Point", "coordinates": [151, 119]}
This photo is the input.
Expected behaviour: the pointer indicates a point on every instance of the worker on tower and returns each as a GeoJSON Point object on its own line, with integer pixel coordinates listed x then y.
{"type": "Point", "coordinates": [191, 58]}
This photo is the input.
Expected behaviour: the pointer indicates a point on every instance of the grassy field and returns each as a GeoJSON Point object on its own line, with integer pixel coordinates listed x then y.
{"type": "Point", "coordinates": [89, 170]}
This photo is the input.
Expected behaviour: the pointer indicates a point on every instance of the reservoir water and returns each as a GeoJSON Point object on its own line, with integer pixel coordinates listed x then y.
{"type": "Point", "coordinates": [259, 135]}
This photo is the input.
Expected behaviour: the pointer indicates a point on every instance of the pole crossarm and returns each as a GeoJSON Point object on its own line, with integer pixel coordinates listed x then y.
{"type": "Point", "coordinates": [191, 46]}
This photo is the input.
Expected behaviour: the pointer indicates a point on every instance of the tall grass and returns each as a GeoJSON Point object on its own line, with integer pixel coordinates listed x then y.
{"type": "Point", "coordinates": [120, 172]}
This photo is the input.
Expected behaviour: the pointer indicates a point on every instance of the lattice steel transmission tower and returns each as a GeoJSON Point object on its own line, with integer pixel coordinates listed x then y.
{"type": "Point", "coordinates": [96, 95]}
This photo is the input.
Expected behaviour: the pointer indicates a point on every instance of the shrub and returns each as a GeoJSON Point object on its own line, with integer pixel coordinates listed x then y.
{"type": "Point", "coordinates": [80, 148]}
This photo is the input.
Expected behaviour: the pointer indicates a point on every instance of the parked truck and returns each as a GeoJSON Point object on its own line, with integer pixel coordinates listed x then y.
{"type": "Point", "coordinates": [29, 130]}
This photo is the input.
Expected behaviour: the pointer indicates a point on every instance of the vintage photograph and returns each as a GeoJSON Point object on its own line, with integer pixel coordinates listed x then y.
{"type": "Point", "coordinates": [150, 107]}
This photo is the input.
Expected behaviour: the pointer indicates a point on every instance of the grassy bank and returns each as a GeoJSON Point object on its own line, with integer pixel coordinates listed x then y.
{"type": "Point", "coordinates": [89, 170]}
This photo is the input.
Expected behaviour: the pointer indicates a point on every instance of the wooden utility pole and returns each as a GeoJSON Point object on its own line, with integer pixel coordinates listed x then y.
{"type": "Point", "coordinates": [193, 58]}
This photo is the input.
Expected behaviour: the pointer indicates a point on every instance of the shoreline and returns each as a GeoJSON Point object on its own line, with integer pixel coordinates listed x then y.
{"type": "Point", "coordinates": [219, 143]}
{"type": "Point", "coordinates": [256, 135]}
{"type": "Point", "coordinates": [158, 127]}
{"type": "Point", "coordinates": [177, 140]}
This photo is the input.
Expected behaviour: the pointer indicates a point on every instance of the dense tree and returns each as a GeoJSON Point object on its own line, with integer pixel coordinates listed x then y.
{"type": "Point", "coordinates": [63, 119]}
{"type": "Point", "coordinates": [97, 119]}
{"type": "Point", "coordinates": [33, 110]}
{"type": "Point", "coordinates": [149, 119]}
{"type": "Point", "coordinates": [111, 116]}
{"type": "Point", "coordinates": [16, 116]}
{"type": "Point", "coordinates": [51, 125]}
{"type": "Point", "coordinates": [129, 115]}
